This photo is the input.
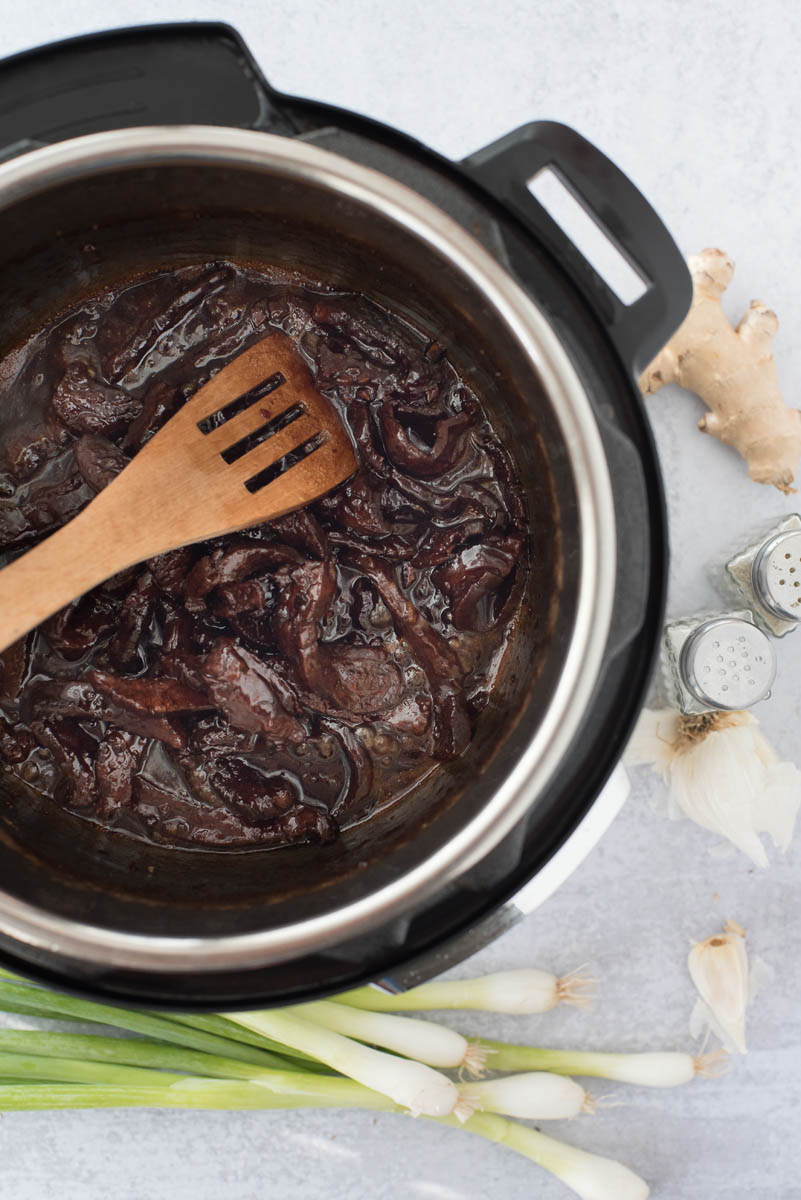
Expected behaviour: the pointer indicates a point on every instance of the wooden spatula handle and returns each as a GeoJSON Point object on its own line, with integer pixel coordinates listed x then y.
{"type": "Point", "coordinates": [193, 480]}
{"type": "Point", "coordinates": [65, 565]}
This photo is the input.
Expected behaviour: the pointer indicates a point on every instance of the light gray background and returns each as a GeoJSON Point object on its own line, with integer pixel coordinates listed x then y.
{"type": "Point", "coordinates": [698, 103]}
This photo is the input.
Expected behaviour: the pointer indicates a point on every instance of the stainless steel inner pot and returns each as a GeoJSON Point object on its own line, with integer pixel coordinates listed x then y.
{"type": "Point", "coordinates": [97, 209]}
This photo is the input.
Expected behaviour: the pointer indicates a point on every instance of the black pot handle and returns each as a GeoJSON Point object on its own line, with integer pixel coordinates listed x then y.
{"type": "Point", "coordinates": [505, 168]}
{"type": "Point", "coordinates": [190, 73]}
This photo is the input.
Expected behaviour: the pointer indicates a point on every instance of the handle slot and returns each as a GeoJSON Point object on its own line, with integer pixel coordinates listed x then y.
{"type": "Point", "coordinates": [638, 329]}
{"type": "Point", "coordinates": [578, 222]}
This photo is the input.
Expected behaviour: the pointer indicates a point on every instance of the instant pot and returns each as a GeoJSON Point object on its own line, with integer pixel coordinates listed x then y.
{"type": "Point", "coordinates": [142, 148]}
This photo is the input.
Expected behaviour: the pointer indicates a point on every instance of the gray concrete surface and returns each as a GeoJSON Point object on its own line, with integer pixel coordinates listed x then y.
{"type": "Point", "coordinates": [697, 102]}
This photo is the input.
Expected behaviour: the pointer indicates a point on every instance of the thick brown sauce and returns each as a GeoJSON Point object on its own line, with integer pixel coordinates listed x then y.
{"type": "Point", "coordinates": [275, 685]}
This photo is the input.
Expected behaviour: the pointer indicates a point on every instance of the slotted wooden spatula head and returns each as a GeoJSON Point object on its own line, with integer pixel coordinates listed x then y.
{"type": "Point", "coordinates": [255, 442]}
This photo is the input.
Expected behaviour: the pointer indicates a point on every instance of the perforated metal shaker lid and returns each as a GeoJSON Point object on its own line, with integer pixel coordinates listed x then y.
{"type": "Point", "coordinates": [728, 663]}
{"type": "Point", "coordinates": [776, 575]}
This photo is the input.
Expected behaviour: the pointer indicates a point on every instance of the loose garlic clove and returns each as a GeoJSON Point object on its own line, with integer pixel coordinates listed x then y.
{"type": "Point", "coordinates": [722, 774]}
{"type": "Point", "coordinates": [719, 969]}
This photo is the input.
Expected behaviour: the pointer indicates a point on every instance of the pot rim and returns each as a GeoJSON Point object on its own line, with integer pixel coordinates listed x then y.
{"type": "Point", "coordinates": [42, 931]}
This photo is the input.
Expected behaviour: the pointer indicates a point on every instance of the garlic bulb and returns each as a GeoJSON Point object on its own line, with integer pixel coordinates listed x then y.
{"type": "Point", "coordinates": [719, 970]}
{"type": "Point", "coordinates": [722, 774]}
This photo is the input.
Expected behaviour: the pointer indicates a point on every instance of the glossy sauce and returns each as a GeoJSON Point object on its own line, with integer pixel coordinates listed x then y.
{"type": "Point", "coordinates": [275, 685]}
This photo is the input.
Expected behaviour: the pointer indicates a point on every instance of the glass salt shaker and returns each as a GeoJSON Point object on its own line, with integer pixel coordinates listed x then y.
{"type": "Point", "coordinates": [718, 661]}
{"type": "Point", "coordinates": [767, 575]}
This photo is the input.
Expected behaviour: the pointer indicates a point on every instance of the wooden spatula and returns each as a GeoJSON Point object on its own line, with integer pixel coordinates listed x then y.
{"type": "Point", "coordinates": [255, 442]}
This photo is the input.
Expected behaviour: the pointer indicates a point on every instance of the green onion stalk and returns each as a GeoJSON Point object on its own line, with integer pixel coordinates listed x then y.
{"type": "Point", "coordinates": [333, 1054]}
{"type": "Point", "coordinates": [590, 1176]}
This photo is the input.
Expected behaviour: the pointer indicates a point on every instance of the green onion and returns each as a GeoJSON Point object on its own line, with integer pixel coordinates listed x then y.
{"type": "Point", "coordinates": [36, 1001]}
{"type": "Point", "coordinates": [533, 1096]}
{"type": "Point", "coordinates": [661, 1069]}
{"type": "Point", "coordinates": [524, 991]}
{"type": "Point", "coordinates": [223, 1027]}
{"type": "Point", "coordinates": [70, 1070]}
{"type": "Point", "coordinates": [289, 1059]}
{"type": "Point", "coordinates": [32, 1007]}
{"type": "Point", "coordinates": [63, 1069]}
{"type": "Point", "coordinates": [410, 1084]}
{"type": "Point", "coordinates": [589, 1175]}
{"type": "Point", "coordinates": [424, 1041]}
{"type": "Point", "coordinates": [592, 1177]}
{"type": "Point", "coordinates": [130, 1051]}
{"type": "Point", "coordinates": [189, 1092]}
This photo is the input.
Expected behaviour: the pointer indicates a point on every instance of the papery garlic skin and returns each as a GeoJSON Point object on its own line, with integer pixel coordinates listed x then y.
{"type": "Point", "coordinates": [655, 740]}
{"type": "Point", "coordinates": [719, 969]}
{"type": "Point", "coordinates": [722, 774]}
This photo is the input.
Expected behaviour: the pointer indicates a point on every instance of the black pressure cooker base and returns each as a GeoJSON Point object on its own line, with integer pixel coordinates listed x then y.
{"type": "Point", "coordinates": [203, 74]}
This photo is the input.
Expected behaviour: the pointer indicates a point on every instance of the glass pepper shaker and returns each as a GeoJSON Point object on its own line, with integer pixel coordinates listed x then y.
{"type": "Point", "coordinates": [767, 575]}
{"type": "Point", "coordinates": [718, 661]}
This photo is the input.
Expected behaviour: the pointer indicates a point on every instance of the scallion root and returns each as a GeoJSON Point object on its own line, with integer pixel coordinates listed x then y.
{"type": "Point", "coordinates": [576, 989]}
{"type": "Point", "coordinates": [466, 1106]}
{"type": "Point", "coordinates": [711, 1064]}
{"type": "Point", "coordinates": [475, 1061]}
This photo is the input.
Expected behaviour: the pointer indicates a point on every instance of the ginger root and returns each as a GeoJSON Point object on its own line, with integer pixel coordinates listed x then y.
{"type": "Point", "coordinates": [733, 372]}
